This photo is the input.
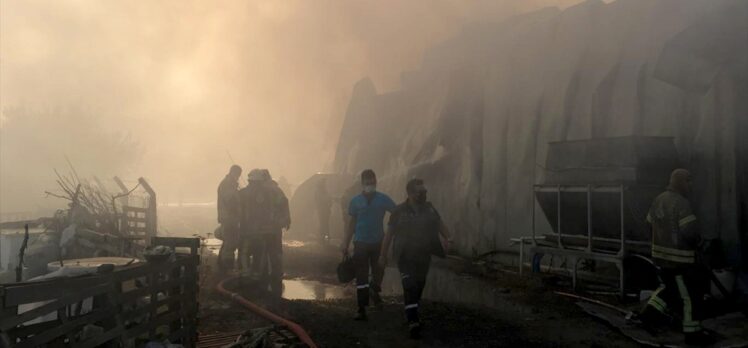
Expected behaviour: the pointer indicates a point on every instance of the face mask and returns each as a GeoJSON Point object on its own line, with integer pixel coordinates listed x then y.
{"type": "Point", "coordinates": [370, 188]}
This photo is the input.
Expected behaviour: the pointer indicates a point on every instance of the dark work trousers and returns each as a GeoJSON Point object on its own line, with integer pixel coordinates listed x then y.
{"type": "Point", "coordinates": [366, 257]}
{"type": "Point", "coordinates": [231, 242]}
{"type": "Point", "coordinates": [414, 268]}
{"type": "Point", "coordinates": [681, 293]}
{"type": "Point", "coordinates": [267, 259]}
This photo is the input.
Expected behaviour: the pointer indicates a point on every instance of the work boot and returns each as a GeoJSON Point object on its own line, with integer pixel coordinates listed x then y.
{"type": "Point", "coordinates": [361, 315]}
{"type": "Point", "coordinates": [414, 329]}
{"type": "Point", "coordinates": [700, 338]}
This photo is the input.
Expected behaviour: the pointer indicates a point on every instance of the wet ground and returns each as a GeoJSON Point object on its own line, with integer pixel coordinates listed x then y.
{"type": "Point", "coordinates": [460, 310]}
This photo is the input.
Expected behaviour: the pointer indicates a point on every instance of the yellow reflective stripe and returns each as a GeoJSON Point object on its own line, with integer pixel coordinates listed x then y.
{"type": "Point", "coordinates": [695, 328]}
{"type": "Point", "coordinates": [671, 251]}
{"type": "Point", "coordinates": [673, 258]}
{"type": "Point", "coordinates": [659, 301]}
{"type": "Point", "coordinates": [686, 220]}
{"type": "Point", "coordinates": [689, 325]}
{"type": "Point", "coordinates": [656, 302]}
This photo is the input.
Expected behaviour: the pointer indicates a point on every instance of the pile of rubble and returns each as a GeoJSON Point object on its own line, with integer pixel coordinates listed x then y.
{"type": "Point", "coordinates": [96, 223]}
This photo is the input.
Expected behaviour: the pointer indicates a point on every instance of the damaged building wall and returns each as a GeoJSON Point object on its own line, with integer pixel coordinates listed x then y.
{"type": "Point", "coordinates": [476, 118]}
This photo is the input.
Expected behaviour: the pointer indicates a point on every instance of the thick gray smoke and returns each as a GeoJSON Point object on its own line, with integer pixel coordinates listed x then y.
{"type": "Point", "coordinates": [168, 89]}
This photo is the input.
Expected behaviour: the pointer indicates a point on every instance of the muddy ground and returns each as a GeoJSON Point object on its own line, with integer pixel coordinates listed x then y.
{"type": "Point", "coordinates": [463, 310]}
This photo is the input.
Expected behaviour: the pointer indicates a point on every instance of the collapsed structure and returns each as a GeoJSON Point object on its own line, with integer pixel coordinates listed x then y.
{"type": "Point", "coordinates": [475, 120]}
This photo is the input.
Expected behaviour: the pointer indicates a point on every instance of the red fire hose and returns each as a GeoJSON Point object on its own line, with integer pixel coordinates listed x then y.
{"type": "Point", "coordinates": [295, 328]}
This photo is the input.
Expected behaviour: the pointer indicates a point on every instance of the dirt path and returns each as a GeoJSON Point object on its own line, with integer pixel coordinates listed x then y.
{"type": "Point", "coordinates": [463, 311]}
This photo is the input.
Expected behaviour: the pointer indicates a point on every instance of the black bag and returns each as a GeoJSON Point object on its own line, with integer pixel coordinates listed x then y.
{"type": "Point", "coordinates": [346, 269]}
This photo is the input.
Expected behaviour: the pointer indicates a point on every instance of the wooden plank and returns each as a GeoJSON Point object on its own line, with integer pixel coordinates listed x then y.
{"type": "Point", "coordinates": [128, 209]}
{"type": "Point", "coordinates": [150, 307]}
{"type": "Point", "coordinates": [72, 297]}
{"type": "Point", "coordinates": [137, 229]}
{"type": "Point", "coordinates": [144, 327]}
{"type": "Point", "coordinates": [25, 331]}
{"type": "Point", "coordinates": [133, 295]}
{"type": "Point", "coordinates": [153, 306]}
{"type": "Point", "coordinates": [58, 331]}
{"type": "Point", "coordinates": [29, 292]}
{"type": "Point", "coordinates": [145, 269]}
{"type": "Point", "coordinates": [174, 291]}
{"type": "Point", "coordinates": [180, 335]}
{"type": "Point", "coordinates": [101, 339]}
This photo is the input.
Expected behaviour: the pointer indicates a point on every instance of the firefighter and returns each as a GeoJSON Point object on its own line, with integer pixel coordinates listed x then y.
{"type": "Point", "coordinates": [265, 214]}
{"type": "Point", "coordinates": [228, 217]}
{"type": "Point", "coordinates": [675, 245]}
{"type": "Point", "coordinates": [418, 231]}
{"type": "Point", "coordinates": [366, 229]}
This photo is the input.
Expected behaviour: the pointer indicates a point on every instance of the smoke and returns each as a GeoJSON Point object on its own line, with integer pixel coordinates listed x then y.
{"type": "Point", "coordinates": [191, 84]}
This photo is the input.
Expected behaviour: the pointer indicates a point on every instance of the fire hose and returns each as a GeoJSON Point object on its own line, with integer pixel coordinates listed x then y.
{"type": "Point", "coordinates": [294, 327]}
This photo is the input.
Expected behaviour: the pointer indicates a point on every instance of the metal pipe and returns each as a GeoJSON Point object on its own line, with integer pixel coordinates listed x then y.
{"type": "Point", "coordinates": [603, 239]}
{"type": "Point", "coordinates": [521, 254]}
{"type": "Point", "coordinates": [533, 214]}
{"type": "Point", "coordinates": [589, 218]}
{"type": "Point", "coordinates": [294, 327]}
{"type": "Point", "coordinates": [623, 230]}
{"type": "Point", "coordinates": [621, 270]}
{"type": "Point", "coordinates": [580, 188]}
{"type": "Point", "coordinates": [558, 216]}
{"type": "Point", "coordinates": [587, 299]}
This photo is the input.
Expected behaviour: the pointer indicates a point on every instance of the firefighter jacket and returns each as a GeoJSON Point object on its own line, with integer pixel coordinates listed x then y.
{"type": "Point", "coordinates": [675, 235]}
{"type": "Point", "coordinates": [228, 201]}
{"type": "Point", "coordinates": [264, 208]}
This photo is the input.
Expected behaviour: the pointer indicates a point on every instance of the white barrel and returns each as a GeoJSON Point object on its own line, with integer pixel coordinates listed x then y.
{"type": "Point", "coordinates": [90, 263]}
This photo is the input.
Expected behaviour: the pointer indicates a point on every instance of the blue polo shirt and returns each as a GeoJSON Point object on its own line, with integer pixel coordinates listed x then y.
{"type": "Point", "coordinates": [370, 216]}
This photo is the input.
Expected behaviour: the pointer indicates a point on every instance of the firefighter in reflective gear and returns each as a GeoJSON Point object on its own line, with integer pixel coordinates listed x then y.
{"type": "Point", "coordinates": [228, 217]}
{"type": "Point", "coordinates": [675, 245]}
{"type": "Point", "coordinates": [265, 214]}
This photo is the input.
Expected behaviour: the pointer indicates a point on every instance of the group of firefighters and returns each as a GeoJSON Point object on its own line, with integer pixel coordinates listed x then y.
{"type": "Point", "coordinates": [252, 220]}
{"type": "Point", "coordinates": [259, 212]}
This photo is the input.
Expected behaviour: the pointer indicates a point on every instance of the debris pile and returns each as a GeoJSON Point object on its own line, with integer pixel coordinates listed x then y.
{"type": "Point", "coordinates": [96, 223]}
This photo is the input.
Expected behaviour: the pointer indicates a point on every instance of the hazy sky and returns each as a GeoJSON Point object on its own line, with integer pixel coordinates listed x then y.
{"type": "Point", "coordinates": [190, 81]}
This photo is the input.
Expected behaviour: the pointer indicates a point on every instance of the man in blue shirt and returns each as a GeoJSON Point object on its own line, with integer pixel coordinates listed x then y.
{"type": "Point", "coordinates": [366, 228]}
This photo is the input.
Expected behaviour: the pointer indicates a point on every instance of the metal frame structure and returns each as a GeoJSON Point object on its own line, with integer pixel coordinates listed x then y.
{"type": "Point", "coordinates": [576, 253]}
